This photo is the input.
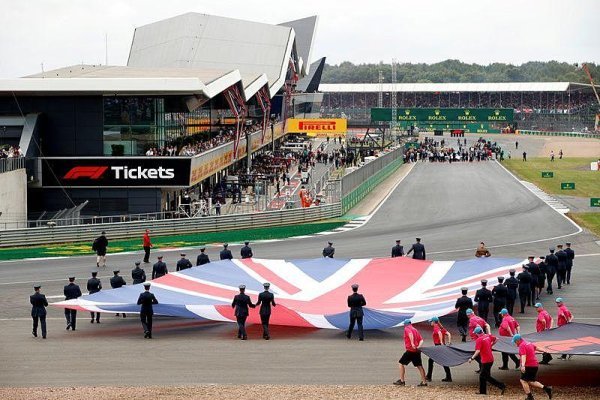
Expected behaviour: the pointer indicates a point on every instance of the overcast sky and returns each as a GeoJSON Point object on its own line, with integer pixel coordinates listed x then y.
{"type": "Point", "coordinates": [59, 33]}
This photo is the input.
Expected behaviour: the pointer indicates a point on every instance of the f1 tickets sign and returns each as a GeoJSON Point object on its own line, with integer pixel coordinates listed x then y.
{"type": "Point", "coordinates": [320, 127]}
{"type": "Point", "coordinates": [115, 172]}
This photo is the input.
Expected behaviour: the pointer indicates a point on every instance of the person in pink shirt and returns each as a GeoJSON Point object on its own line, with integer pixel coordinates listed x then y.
{"type": "Point", "coordinates": [412, 342]}
{"type": "Point", "coordinates": [543, 323]}
{"type": "Point", "coordinates": [529, 367]}
{"type": "Point", "coordinates": [440, 337]}
{"type": "Point", "coordinates": [564, 317]}
{"type": "Point", "coordinates": [483, 349]}
{"type": "Point", "coordinates": [508, 328]}
{"type": "Point", "coordinates": [474, 322]}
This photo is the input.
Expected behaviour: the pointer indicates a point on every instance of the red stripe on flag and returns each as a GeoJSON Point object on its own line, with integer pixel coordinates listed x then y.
{"type": "Point", "coordinates": [270, 276]}
{"type": "Point", "coordinates": [280, 315]}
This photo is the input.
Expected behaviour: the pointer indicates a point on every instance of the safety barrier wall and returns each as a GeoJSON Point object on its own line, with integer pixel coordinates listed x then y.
{"type": "Point", "coordinates": [357, 184]}
{"type": "Point", "coordinates": [569, 134]}
{"type": "Point", "coordinates": [128, 230]}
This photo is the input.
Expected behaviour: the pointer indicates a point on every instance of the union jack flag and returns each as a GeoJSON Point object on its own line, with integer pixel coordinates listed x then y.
{"type": "Point", "coordinates": [310, 293]}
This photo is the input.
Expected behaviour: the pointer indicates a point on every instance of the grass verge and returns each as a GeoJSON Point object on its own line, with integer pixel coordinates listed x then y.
{"type": "Point", "coordinates": [590, 221]}
{"type": "Point", "coordinates": [164, 242]}
{"type": "Point", "coordinates": [577, 170]}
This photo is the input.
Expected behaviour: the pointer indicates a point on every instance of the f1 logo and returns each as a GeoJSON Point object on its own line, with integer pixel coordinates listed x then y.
{"type": "Point", "coordinates": [90, 172]}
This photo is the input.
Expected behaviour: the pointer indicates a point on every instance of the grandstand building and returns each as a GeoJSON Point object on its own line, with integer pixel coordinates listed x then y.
{"type": "Point", "coordinates": [552, 106]}
{"type": "Point", "coordinates": [199, 97]}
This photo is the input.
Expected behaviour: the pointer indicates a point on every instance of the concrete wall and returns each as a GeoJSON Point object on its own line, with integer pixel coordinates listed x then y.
{"type": "Point", "coordinates": [13, 199]}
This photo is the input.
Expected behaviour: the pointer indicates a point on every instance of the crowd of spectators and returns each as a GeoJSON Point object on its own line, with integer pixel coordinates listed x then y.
{"type": "Point", "coordinates": [432, 150]}
{"type": "Point", "coordinates": [199, 143]}
{"type": "Point", "coordinates": [11, 152]}
{"type": "Point", "coordinates": [526, 102]}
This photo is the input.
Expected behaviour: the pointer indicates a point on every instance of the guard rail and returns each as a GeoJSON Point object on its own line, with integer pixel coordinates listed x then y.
{"type": "Point", "coordinates": [569, 134]}
{"type": "Point", "coordinates": [128, 230]}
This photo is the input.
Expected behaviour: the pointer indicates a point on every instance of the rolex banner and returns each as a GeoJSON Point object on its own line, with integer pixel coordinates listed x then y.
{"type": "Point", "coordinates": [441, 115]}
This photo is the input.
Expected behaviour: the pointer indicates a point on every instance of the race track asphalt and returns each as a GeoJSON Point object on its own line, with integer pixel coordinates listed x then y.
{"type": "Point", "coordinates": [452, 207]}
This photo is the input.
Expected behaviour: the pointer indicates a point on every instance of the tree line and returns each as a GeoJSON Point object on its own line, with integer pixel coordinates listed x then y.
{"type": "Point", "coordinates": [454, 71]}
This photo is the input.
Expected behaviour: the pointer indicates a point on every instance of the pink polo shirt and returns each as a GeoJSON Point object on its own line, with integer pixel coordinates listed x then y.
{"type": "Point", "coordinates": [528, 350]}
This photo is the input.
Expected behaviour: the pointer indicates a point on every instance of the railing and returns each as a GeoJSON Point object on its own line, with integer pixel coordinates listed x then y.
{"type": "Point", "coordinates": [11, 164]}
{"type": "Point", "coordinates": [128, 230]}
{"type": "Point", "coordinates": [570, 134]}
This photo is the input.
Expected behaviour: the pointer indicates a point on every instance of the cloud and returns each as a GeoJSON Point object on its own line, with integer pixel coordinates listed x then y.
{"type": "Point", "coordinates": [58, 33]}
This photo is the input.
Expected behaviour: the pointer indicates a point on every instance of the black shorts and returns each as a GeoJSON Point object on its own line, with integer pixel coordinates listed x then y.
{"type": "Point", "coordinates": [530, 374]}
{"type": "Point", "coordinates": [413, 357]}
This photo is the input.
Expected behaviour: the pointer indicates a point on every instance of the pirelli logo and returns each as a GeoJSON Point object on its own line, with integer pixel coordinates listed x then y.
{"type": "Point", "coordinates": [329, 125]}
{"type": "Point", "coordinates": [317, 126]}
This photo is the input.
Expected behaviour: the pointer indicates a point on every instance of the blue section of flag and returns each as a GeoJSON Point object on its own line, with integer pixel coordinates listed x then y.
{"type": "Point", "coordinates": [321, 268]}
{"type": "Point", "coordinates": [224, 272]}
{"type": "Point", "coordinates": [467, 268]}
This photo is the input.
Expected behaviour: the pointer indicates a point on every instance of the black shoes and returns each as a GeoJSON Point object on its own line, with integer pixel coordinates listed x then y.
{"type": "Point", "coordinates": [422, 384]}
{"type": "Point", "coordinates": [502, 390]}
{"type": "Point", "coordinates": [428, 378]}
{"type": "Point", "coordinates": [503, 368]}
{"type": "Point", "coordinates": [361, 339]}
{"type": "Point", "coordinates": [399, 383]}
{"type": "Point", "coordinates": [447, 380]}
{"type": "Point", "coordinates": [69, 326]}
{"type": "Point", "coordinates": [34, 333]}
{"type": "Point", "coordinates": [548, 390]}
{"type": "Point", "coordinates": [92, 321]}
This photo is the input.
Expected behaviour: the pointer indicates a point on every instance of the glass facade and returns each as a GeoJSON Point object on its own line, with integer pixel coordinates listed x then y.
{"type": "Point", "coordinates": [134, 124]}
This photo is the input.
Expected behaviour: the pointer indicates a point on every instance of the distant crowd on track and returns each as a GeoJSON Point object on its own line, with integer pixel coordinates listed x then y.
{"type": "Point", "coordinates": [432, 150]}
{"type": "Point", "coordinates": [472, 313]}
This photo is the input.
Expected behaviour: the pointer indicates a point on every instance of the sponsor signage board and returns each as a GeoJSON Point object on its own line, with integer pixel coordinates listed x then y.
{"type": "Point", "coordinates": [567, 186]}
{"type": "Point", "coordinates": [116, 172]}
{"type": "Point", "coordinates": [595, 202]}
{"type": "Point", "coordinates": [547, 174]}
{"type": "Point", "coordinates": [318, 126]}
{"type": "Point", "coordinates": [443, 115]}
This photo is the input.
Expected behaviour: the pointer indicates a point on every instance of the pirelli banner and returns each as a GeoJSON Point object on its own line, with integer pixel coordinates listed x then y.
{"type": "Point", "coordinates": [443, 115]}
{"type": "Point", "coordinates": [113, 172]}
{"type": "Point", "coordinates": [318, 127]}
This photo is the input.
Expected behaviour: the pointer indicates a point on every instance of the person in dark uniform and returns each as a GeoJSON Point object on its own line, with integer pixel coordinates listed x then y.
{"type": "Point", "coordinates": [183, 263]}
{"type": "Point", "coordinates": [99, 246]}
{"type": "Point", "coordinates": [94, 286]}
{"type": "Point", "coordinates": [202, 257]}
{"type": "Point", "coordinates": [551, 267]}
{"type": "Point", "coordinates": [535, 272]}
{"type": "Point", "coordinates": [561, 270]}
{"type": "Point", "coordinates": [356, 302]}
{"type": "Point", "coordinates": [463, 303]}
{"type": "Point", "coordinates": [329, 251]}
{"type": "Point", "coordinates": [147, 300]}
{"type": "Point", "coordinates": [266, 299]}
{"type": "Point", "coordinates": [138, 274]}
{"type": "Point", "coordinates": [71, 292]}
{"type": "Point", "coordinates": [570, 257]}
{"type": "Point", "coordinates": [500, 294]}
{"type": "Point", "coordinates": [483, 298]}
{"type": "Point", "coordinates": [542, 276]}
{"type": "Point", "coordinates": [240, 303]}
{"type": "Point", "coordinates": [116, 282]}
{"type": "Point", "coordinates": [246, 251]}
{"type": "Point", "coordinates": [225, 254]}
{"type": "Point", "coordinates": [524, 279]}
{"type": "Point", "coordinates": [159, 269]}
{"type": "Point", "coordinates": [397, 250]}
{"type": "Point", "coordinates": [38, 311]}
{"type": "Point", "coordinates": [512, 284]}
{"type": "Point", "coordinates": [418, 250]}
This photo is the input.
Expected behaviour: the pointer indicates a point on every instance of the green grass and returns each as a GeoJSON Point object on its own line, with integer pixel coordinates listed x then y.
{"type": "Point", "coordinates": [587, 182]}
{"type": "Point", "coordinates": [589, 220]}
{"type": "Point", "coordinates": [165, 242]}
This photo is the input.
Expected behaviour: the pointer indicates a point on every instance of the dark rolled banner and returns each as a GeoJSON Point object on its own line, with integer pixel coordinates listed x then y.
{"type": "Point", "coordinates": [116, 172]}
